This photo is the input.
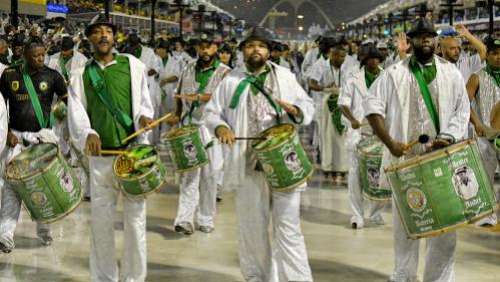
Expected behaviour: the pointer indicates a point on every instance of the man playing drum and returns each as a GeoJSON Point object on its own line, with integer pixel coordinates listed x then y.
{"type": "Point", "coordinates": [198, 189]}
{"type": "Point", "coordinates": [29, 90]}
{"type": "Point", "coordinates": [240, 107]}
{"type": "Point", "coordinates": [97, 122]}
{"type": "Point", "coordinates": [484, 88]}
{"type": "Point", "coordinates": [422, 94]}
{"type": "Point", "coordinates": [351, 104]}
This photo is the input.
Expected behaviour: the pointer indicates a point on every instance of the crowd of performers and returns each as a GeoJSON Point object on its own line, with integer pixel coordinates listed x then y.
{"type": "Point", "coordinates": [340, 91]}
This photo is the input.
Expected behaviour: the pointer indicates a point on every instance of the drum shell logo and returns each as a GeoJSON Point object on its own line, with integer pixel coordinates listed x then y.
{"type": "Point", "coordinates": [416, 199]}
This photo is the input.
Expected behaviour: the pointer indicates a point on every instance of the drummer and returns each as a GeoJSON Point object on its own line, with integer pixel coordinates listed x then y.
{"type": "Point", "coordinates": [395, 101]}
{"type": "Point", "coordinates": [29, 123]}
{"type": "Point", "coordinates": [95, 123]}
{"type": "Point", "coordinates": [350, 102]}
{"type": "Point", "coordinates": [243, 110]}
{"type": "Point", "coordinates": [484, 89]}
{"type": "Point", "coordinates": [198, 188]}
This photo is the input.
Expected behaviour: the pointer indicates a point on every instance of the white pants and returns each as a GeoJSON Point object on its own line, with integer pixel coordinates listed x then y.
{"type": "Point", "coordinates": [281, 256]}
{"type": "Point", "coordinates": [103, 265]}
{"type": "Point", "coordinates": [356, 195]}
{"type": "Point", "coordinates": [11, 206]}
{"type": "Point", "coordinates": [490, 163]}
{"type": "Point", "coordinates": [439, 258]}
{"type": "Point", "coordinates": [333, 145]}
{"type": "Point", "coordinates": [198, 194]}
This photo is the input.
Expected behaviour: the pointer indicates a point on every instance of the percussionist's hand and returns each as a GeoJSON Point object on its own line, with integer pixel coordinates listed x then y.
{"type": "Point", "coordinates": [12, 140]}
{"type": "Point", "coordinates": [173, 119]}
{"type": "Point", "coordinates": [355, 124]}
{"type": "Point", "coordinates": [145, 121]}
{"type": "Point", "coordinates": [289, 108]}
{"type": "Point", "coordinates": [398, 149]}
{"type": "Point", "coordinates": [480, 130]}
{"type": "Point", "coordinates": [93, 145]}
{"type": "Point", "coordinates": [439, 143]}
{"type": "Point", "coordinates": [225, 135]}
{"type": "Point", "coordinates": [188, 97]}
{"type": "Point", "coordinates": [152, 72]}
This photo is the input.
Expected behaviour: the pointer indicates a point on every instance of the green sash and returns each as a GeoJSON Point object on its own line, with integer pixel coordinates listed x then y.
{"type": "Point", "coordinates": [102, 92]}
{"type": "Point", "coordinates": [426, 95]}
{"type": "Point", "coordinates": [62, 65]}
{"type": "Point", "coordinates": [334, 108]}
{"type": "Point", "coordinates": [495, 74]}
{"type": "Point", "coordinates": [251, 80]}
{"type": "Point", "coordinates": [35, 102]}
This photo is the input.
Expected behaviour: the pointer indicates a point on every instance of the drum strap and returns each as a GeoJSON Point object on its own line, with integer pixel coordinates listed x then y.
{"type": "Point", "coordinates": [102, 92]}
{"type": "Point", "coordinates": [251, 80]}
{"type": "Point", "coordinates": [426, 94]}
{"type": "Point", "coordinates": [35, 102]}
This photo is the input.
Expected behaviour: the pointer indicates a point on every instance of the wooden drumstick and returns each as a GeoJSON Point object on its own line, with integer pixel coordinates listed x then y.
{"type": "Point", "coordinates": [149, 127]}
{"type": "Point", "coordinates": [113, 152]}
{"type": "Point", "coordinates": [422, 139]}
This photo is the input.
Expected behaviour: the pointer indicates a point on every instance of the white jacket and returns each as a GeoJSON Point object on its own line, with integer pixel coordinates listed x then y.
{"type": "Point", "coordinates": [78, 120]}
{"type": "Point", "coordinates": [77, 61]}
{"type": "Point", "coordinates": [389, 97]}
{"type": "Point", "coordinates": [217, 113]}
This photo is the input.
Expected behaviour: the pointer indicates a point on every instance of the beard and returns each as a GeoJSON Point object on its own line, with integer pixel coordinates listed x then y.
{"type": "Point", "coordinates": [424, 53]}
{"type": "Point", "coordinates": [255, 62]}
{"type": "Point", "coordinates": [3, 59]}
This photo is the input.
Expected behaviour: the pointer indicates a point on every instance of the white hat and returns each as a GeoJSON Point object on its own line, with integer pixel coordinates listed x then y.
{"type": "Point", "coordinates": [382, 45]}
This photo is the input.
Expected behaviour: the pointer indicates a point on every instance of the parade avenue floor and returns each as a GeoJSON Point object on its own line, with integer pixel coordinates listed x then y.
{"type": "Point", "coordinates": [336, 252]}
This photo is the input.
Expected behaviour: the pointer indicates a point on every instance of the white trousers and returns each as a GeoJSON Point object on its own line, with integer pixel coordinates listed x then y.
{"type": "Point", "coordinates": [356, 195]}
{"type": "Point", "coordinates": [281, 256]}
{"type": "Point", "coordinates": [11, 206]}
{"type": "Point", "coordinates": [198, 194]}
{"type": "Point", "coordinates": [103, 265]}
{"type": "Point", "coordinates": [333, 145]}
{"type": "Point", "coordinates": [439, 257]}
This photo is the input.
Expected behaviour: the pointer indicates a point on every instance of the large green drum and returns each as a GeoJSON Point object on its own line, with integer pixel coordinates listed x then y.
{"type": "Point", "coordinates": [369, 151]}
{"type": "Point", "coordinates": [283, 160]}
{"type": "Point", "coordinates": [140, 171]}
{"type": "Point", "coordinates": [442, 190]}
{"type": "Point", "coordinates": [44, 181]}
{"type": "Point", "coordinates": [186, 148]}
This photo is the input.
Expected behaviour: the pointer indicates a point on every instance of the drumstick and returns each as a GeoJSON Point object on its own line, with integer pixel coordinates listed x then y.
{"type": "Point", "coordinates": [113, 152]}
{"type": "Point", "coordinates": [149, 127]}
{"type": "Point", "coordinates": [422, 139]}
{"type": "Point", "coordinates": [250, 138]}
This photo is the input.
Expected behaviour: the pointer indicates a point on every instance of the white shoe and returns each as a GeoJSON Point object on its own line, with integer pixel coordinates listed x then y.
{"type": "Point", "coordinates": [357, 223]}
{"type": "Point", "coordinates": [490, 220]}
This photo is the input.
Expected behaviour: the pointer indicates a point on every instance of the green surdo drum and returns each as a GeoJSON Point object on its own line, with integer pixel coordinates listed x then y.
{"type": "Point", "coordinates": [140, 171]}
{"type": "Point", "coordinates": [370, 160]}
{"type": "Point", "coordinates": [283, 160]}
{"type": "Point", "coordinates": [442, 190]}
{"type": "Point", "coordinates": [186, 148]}
{"type": "Point", "coordinates": [45, 182]}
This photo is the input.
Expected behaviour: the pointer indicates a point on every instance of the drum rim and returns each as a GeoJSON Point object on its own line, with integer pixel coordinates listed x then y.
{"type": "Point", "coordinates": [291, 137]}
{"type": "Point", "coordinates": [196, 128]}
{"type": "Point", "coordinates": [143, 195]}
{"type": "Point", "coordinates": [417, 160]}
{"type": "Point", "coordinates": [293, 186]}
{"type": "Point", "coordinates": [57, 156]}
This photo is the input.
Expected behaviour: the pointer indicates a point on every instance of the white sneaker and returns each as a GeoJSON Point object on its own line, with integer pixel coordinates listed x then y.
{"type": "Point", "coordinates": [490, 220]}
{"type": "Point", "coordinates": [357, 223]}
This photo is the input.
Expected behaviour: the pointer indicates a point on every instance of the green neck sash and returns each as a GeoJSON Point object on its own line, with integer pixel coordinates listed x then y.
{"type": "Point", "coordinates": [203, 76]}
{"type": "Point", "coordinates": [370, 78]}
{"type": "Point", "coordinates": [138, 52]}
{"type": "Point", "coordinates": [62, 65]}
{"type": "Point", "coordinates": [495, 74]}
{"type": "Point", "coordinates": [251, 80]}
{"type": "Point", "coordinates": [101, 90]}
{"type": "Point", "coordinates": [164, 61]}
{"type": "Point", "coordinates": [426, 94]}
{"type": "Point", "coordinates": [336, 113]}
{"type": "Point", "coordinates": [35, 102]}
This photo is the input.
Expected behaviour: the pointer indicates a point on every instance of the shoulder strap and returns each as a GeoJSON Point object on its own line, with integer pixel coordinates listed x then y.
{"type": "Point", "coordinates": [35, 102]}
{"type": "Point", "coordinates": [100, 89]}
{"type": "Point", "coordinates": [426, 95]}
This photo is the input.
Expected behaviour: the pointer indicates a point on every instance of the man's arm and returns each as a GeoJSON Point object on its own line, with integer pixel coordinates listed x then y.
{"type": "Point", "coordinates": [378, 125]}
{"type": "Point", "coordinates": [474, 41]}
{"type": "Point", "coordinates": [472, 87]}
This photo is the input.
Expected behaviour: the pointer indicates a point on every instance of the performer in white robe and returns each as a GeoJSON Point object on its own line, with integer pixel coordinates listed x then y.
{"type": "Point", "coordinates": [281, 256]}
{"type": "Point", "coordinates": [397, 113]}
{"type": "Point", "coordinates": [311, 56]}
{"type": "Point", "coordinates": [91, 126]}
{"type": "Point", "coordinates": [328, 78]}
{"type": "Point", "coordinates": [484, 91]}
{"type": "Point", "coordinates": [350, 101]}
{"type": "Point", "coordinates": [198, 188]}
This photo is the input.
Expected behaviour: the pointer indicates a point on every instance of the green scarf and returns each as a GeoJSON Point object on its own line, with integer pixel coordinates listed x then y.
{"type": "Point", "coordinates": [62, 64]}
{"type": "Point", "coordinates": [370, 78]}
{"type": "Point", "coordinates": [428, 71]}
{"type": "Point", "coordinates": [138, 52]}
{"type": "Point", "coordinates": [165, 61]}
{"type": "Point", "coordinates": [259, 81]}
{"type": "Point", "coordinates": [336, 113]}
{"type": "Point", "coordinates": [495, 74]}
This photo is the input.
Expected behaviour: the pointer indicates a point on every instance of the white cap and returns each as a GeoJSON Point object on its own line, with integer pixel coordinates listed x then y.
{"type": "Point", "coordinates": [368, 41]}
{"type": "Point", "coordinates": [382, 45]}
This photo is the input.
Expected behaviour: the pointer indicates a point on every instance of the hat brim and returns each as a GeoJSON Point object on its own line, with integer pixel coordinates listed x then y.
{"type": "Point", "coordinates": [90, 27]}
{"type": "Point", "coordinates": [256, 38]}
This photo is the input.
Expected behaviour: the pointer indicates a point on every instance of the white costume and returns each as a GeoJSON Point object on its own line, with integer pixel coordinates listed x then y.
{"type": "Point", "coordinates": [469, 64]}
{"type": "Point", "coordinates": [198, 188]}
{"type": "Point", "coordinates": [262, 259]}
{"type": "Point", "coordinates": [351, 96]}
{"type": "Point", "coordinates": [332, 145]}
{"type": "Point", "coordinates": [316, 70]}
{"type": "Point", "coordinates": [103, 265]}
{"type": "Point", "coordinates": [395, 95]}
{"type": "Point", "coordinates": [77, 61]}
{"type": "Point", "coordinates": [310, 59]}
{"type": "Point", "coordinates": [171, 68]}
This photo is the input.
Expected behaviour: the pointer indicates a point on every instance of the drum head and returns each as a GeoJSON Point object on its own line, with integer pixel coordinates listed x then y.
{"type": "Point", "coordinates": [178, 132]}
{"type": "Point", "coordinates": [274, 136]}
{"type": "Point", "coordinates": [32, 160]}
{"type": "Point", "coordinates": [138, 161]}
